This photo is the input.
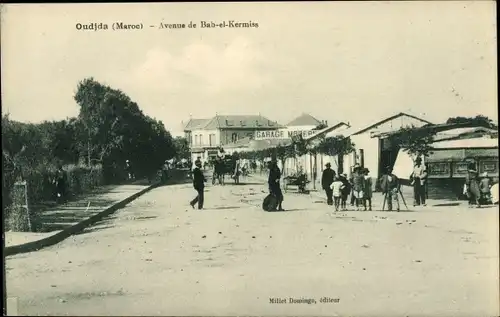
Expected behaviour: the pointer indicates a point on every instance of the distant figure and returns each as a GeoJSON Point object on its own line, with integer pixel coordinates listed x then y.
{"type": "Point", "coordinates": [336, 188]}
{"type": "Point", "coordinates": [358, 187]}
{"type": "Point", "coordinates": [237, 171]}
{"type": "Point", "coordinates": [390, 188]}
{"type": "Point", "coordinates": [326, 181]}
{"type": "Point", "coordinates": [485, 188]}
{"type": "Point", "coordinates": [199, 185]}
{"type": "Point", "coordinates": [367, 192]}
{"type": "Point", "coordinates": [472, 186]}
{"type": "Point", "coordinates": [355, 171]}
{"type": "Point", "coordinates": [494, 194]}
{"type": "Point", "coordinates": [345, 190]}
{"type": "Point", "coordinates": [129, 169]}
{"type": "Point", "coordinates": [418, 179]}
{"type": "Point", "coordinates": [274, 183]}
{"type": "Point", "coordinates": [61, 185]}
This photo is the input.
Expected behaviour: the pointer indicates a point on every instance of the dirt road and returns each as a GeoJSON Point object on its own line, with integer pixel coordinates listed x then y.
{"type": "Point", "coordinates": [158, 256]}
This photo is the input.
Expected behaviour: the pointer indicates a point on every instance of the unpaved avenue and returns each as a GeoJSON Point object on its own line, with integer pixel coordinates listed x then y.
{"type": "Point", "coordinates": [157, 257]}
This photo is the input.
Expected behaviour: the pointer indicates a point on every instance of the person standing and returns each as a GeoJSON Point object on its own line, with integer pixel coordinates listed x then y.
{"type": "Point", "coordinates": [345, 190]}
{"type": "Point", "coordinates": [355, 171]}
{"type": "Point", "coordinates": [199, 185]}
{"type": "Point", "coordinates": [327, 179]}
{"type": "Point", "coordinates": [358, 186]}
{"type": "Point", "coordinates": [274, 183]}
{"type": "Point", "coordinates": [337, 192]}
{"type": "Point", "coordinates": [368, 191]}
{"type": "Point", "coordinates": [485, 188]}
{"type": "Point", "coordinates": [472, 186]}
{"type": "Point", "coordinates": [390, 188]}
{"type": "Point", "coordinates": [418, 179]}
{"type": "Point", "coordinates": [61, 185]}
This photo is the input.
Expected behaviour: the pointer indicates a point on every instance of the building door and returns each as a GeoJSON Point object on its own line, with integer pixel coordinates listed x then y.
{"type": "Point", "coordinates": [388, 154]}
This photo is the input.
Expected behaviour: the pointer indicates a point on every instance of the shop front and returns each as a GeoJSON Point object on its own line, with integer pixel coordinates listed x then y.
{"type": "Point", "coordinates": [448, 168]}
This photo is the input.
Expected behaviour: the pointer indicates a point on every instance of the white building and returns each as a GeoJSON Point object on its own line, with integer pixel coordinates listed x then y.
{"type": "Point", "coordinates": [207, 136]}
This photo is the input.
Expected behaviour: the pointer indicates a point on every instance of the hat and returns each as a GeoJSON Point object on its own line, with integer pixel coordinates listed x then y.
{"type": "Point", "coordinates": [366, 170]}
{"type": "Point", "coordinates": [485, 174]}
{"type": "Point", "coordinates": [197, 163]}
{"type": "Point", "coordinates": [344, 175]}
{"type": "Point", "coordinates": [328, 164]}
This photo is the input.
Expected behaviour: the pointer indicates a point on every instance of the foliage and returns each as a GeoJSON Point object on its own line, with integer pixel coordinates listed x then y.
{"type": "Point", "coordinates": [117, 130]}
{"type": "Point", "coordinates": [320, 126]}
{"type": "Point", "coordinates": [414, 141]}
{"type": "Point", "coordinates": [335, 145]}
{"type": "Point", "coordinates": [479, 120]}
{"type": "Point", "coordinates": [109, 129]}
{"type": "Point", "coordinates": [181, 147]}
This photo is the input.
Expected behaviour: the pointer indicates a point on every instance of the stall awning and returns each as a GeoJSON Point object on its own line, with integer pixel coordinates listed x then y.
{"type": "Point", "coordinates": [452, 155]}
{"type": "Point", "coordinates": [458, 155]}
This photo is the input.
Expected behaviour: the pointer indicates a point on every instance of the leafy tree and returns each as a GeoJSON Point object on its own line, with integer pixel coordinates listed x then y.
{"type": "Point", "coordinates": [414, 141]}
{"type": "Point", "coordinates": [479, 120]}
{"type": "Point", "coordinates": [181, 145]}
{"type": "Point", "coordinates": [335, 145]}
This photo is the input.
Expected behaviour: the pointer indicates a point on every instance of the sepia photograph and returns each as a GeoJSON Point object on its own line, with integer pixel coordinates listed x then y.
{"type": "Point", "coordinates": [305, 158]}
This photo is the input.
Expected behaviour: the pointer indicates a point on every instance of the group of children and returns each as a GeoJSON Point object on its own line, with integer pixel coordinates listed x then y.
{"type": "Point", "coordinates": [359, 187]}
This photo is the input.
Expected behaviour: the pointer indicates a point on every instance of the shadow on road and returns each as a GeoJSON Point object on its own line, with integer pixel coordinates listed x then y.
{"type": "Point", "coordinates": [67, 215]}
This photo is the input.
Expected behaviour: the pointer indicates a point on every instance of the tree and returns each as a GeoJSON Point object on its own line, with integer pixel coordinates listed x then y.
{"type": "Point", "coordinates": [479, 120]}
{"type": "Point", "coordinates": [336, 145]}
{"type": "Point", "coordinates": [181, 147]}
{"type": "Point", "coordinates": [414, 141]}
{"type": "Point", "coordinates": [116, 130]}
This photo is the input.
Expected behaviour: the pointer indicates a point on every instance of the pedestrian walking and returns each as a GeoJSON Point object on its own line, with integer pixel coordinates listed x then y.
{"type": "Point", "coordinates": [199, 185]}
{"type": "Point", "coordinates": [345, 190]}
{"type": "Point", "coordinates": [274, 183]}
{"type": "Point", "coordinates": [418, 179]}
{"type": "Point", "coordinates": [390, 188]}
{"type": "Point", "coordinates": [368, 189]}
{"type": "Point", "coordinates": [358, 186]}
{"type": "Point", "coordinates": [327, 179]}
{"type": "Point", "coordinates": [336, 187]}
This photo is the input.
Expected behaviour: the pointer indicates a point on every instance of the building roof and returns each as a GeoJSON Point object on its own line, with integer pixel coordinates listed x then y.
{"type": "Point", "coordinates": [240, 122]}
{"type": "Point", "coordinates": [194, 124]}
{"type": "Point", "coordinates": [304, 119]}
{"type": "Point", "coordinates": [449, 130]}
{"type": "Point", "coordinates": [484, 142]}
{"type": "Point", "coordinates": [397, 115]}
{"type": "Point", "coordinates": [327, 130]}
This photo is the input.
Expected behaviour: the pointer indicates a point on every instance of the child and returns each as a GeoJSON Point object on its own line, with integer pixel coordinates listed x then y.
{"type": "Point", "coordinates": [368, 189]}
{"type": "Point", "coordinates": [345, 190]}
{"type": "Point", "coordinates": [336, 187]}
{"type": "Point", "coordinates": [358, 186]}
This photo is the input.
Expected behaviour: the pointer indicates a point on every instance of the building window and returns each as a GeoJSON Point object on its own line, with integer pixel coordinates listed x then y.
{"type": "Point", "coordinates": [211, 139]}
{"type": "Point", "coordinates": [234, 137]}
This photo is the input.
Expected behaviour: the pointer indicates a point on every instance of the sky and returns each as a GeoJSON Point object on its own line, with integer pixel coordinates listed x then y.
{"type": "Point", "coordinates": [357, 62]}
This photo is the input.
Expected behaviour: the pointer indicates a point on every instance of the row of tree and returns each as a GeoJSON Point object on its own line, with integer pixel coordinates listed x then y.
{"type": "Point", "coordinates": [109, 129]}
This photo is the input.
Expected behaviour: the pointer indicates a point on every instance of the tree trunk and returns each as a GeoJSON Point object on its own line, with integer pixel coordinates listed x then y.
{"type": "Point", "coordinates": [88, 153]}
